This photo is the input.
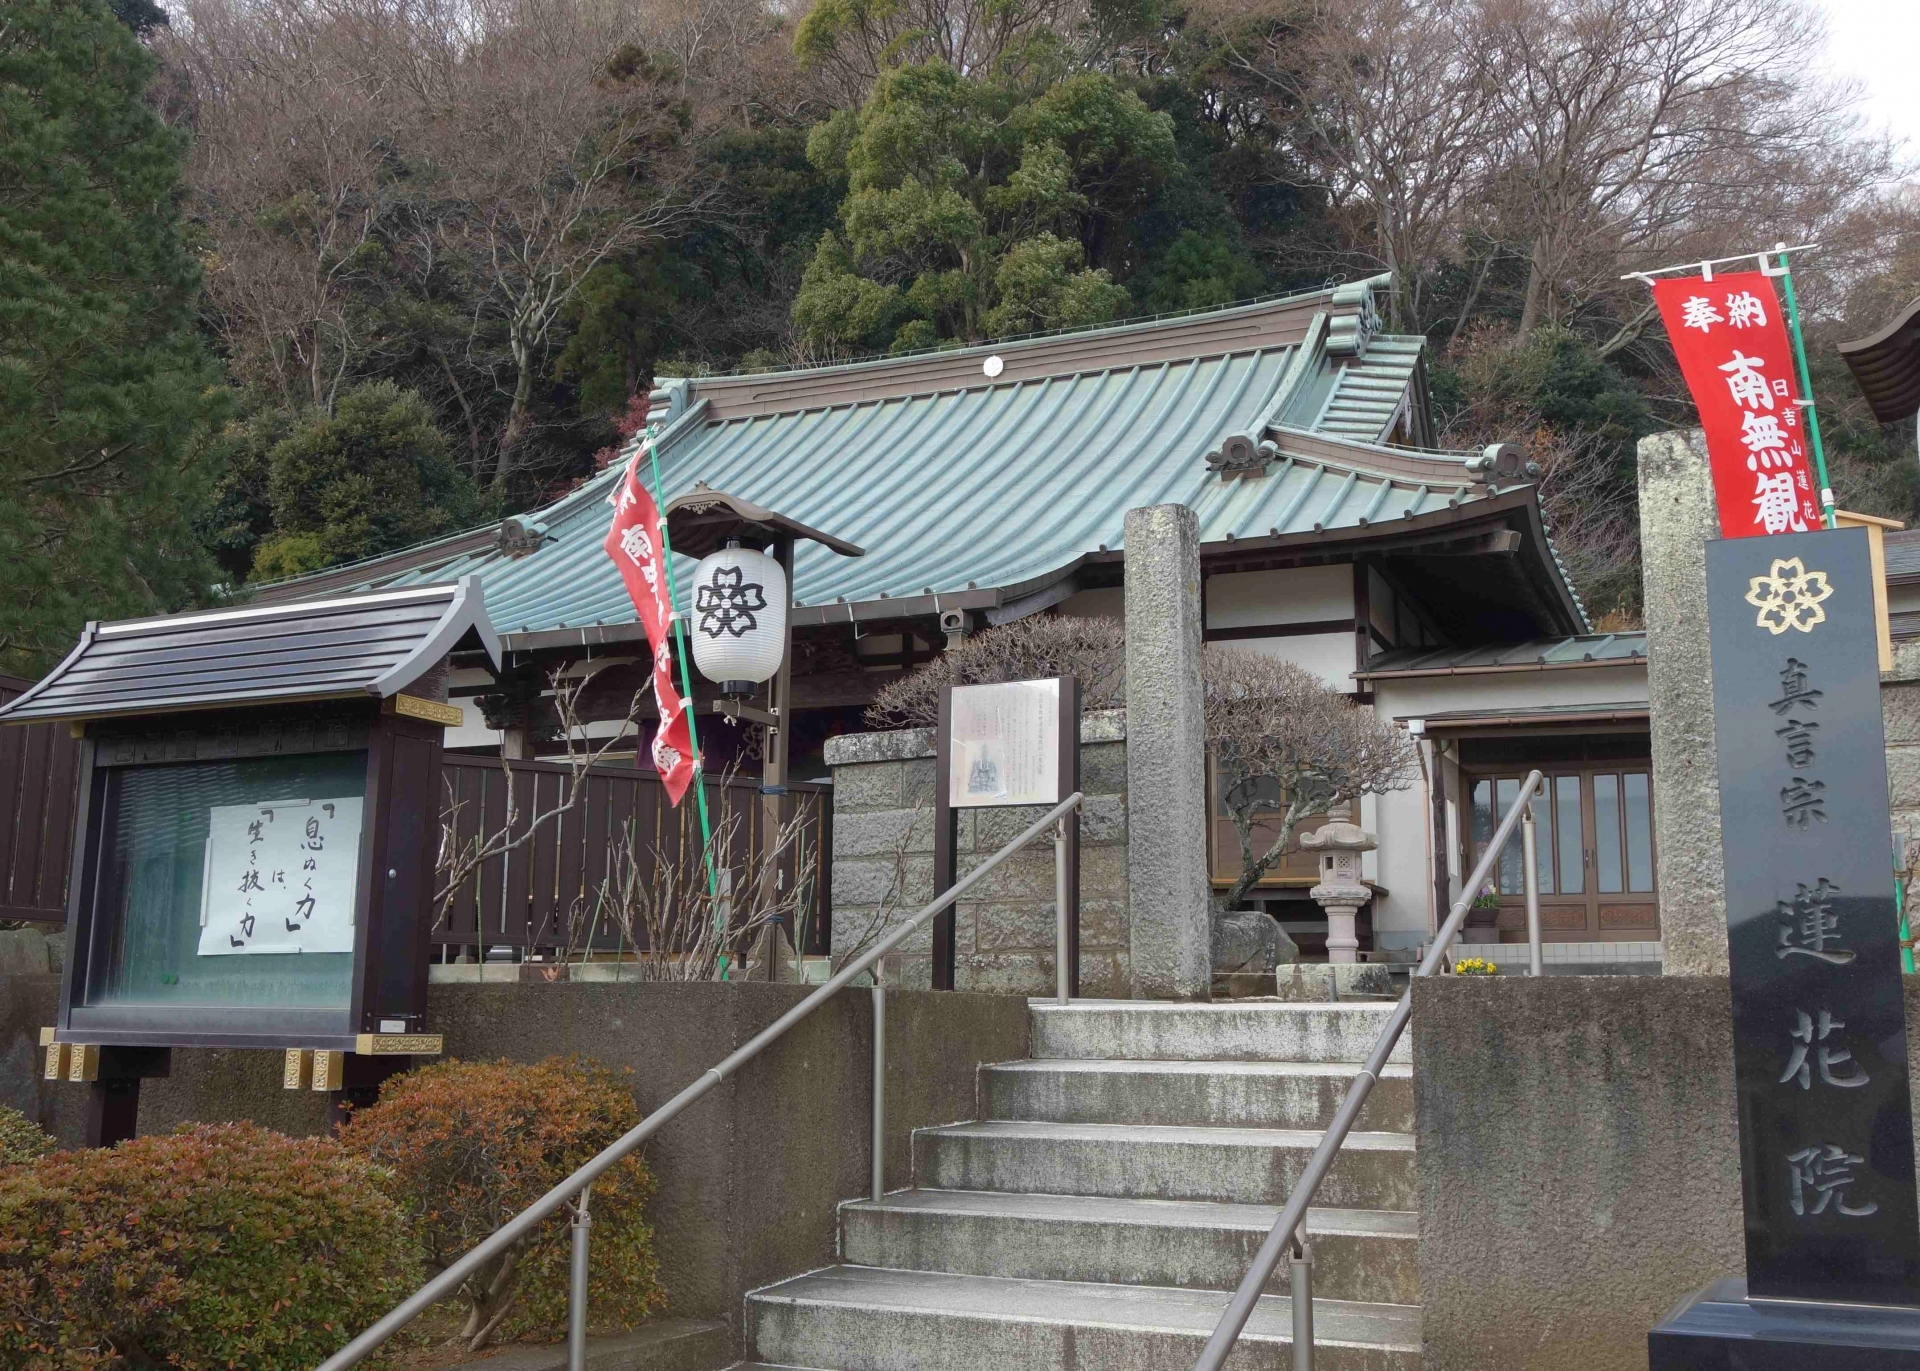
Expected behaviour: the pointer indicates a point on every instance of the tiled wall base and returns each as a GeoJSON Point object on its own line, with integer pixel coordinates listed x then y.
{"type": "Point", "coordinates": [1513, 956]}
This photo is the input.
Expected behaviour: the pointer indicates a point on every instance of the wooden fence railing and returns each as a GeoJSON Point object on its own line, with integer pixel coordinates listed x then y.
{"type": "Point", "coordinates": [39, 773]}
{"type": "Point", "coordinates": [544, 892]}
{"type": "Point", "coordinates": [529, 897]}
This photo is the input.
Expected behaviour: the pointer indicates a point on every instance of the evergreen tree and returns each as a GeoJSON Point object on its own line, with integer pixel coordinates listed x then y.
{"type": "Point", "coordinates": [973, 207]}
{"type": "Point", "coordinates": [104, 383]}
{"type": "Point", "coordinates": [371, 477]}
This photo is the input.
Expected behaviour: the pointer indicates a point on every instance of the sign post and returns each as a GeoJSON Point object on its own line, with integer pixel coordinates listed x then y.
{"type": "Point", "coordinates": [1000, 746]}
{"type": "Point", "coordinates": [1820, 1043]}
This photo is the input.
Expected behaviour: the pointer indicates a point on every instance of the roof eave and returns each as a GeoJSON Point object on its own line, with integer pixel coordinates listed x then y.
{"type": "Point", "coordinates": [1499, 669]}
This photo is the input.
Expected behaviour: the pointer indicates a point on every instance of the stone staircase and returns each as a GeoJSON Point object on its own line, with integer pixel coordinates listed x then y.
{"type": "Point", "coordinates": [1116, 1188]}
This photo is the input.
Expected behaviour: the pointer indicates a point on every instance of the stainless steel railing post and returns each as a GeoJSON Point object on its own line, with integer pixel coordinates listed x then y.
{"type": "Point", "coordinates": [1300, 1288]}
{"type": "Point", "coordinates": [1283, 1237]}
{"type": "Point", "coordinates": [1062, 977]}
{"type": "Point", "coordinates": [577, 1291]}
{"type": "Point", "coordinates": [516, 1228]}
{"type": "Point", "coordinates": [879, 1086]}
{"type": "Point", "coordinates": [1530, 882]}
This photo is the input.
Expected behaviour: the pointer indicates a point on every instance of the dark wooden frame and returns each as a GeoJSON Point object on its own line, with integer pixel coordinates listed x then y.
{"type": "Point", "coordinates": [1592, 900]}
{"type": "Point", "coordinates": [398, 841]}
{"type": "Point", "coordinates": [946, 836]}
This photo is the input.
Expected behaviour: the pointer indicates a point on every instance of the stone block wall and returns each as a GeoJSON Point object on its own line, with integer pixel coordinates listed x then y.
{"type": "Point", "coordinates": [1900, 713]}
{"type": "Point", "coordinates": [883, 807]}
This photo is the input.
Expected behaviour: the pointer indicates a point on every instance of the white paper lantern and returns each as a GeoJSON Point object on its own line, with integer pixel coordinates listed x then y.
{"type": "Point", "coordinates": [739, 618]}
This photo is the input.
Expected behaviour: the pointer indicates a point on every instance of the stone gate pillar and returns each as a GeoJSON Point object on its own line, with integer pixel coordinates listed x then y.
{"type": "Point", "coordinates": [1168, 891]}
{"type": "Point", "coordinates": [1677, 517]}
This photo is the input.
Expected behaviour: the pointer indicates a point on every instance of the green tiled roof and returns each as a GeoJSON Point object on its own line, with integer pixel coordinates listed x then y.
{"type": "Point", "coordinates": [1370, 392]}
{"type": "Point", "coordinates": [957, 484]}
{"type": "Point", "coordinates": [1588, 649]}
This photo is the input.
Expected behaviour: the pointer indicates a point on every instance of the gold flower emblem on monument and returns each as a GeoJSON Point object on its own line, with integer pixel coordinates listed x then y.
{"type": "Point", "coordinates": [1789, 597]}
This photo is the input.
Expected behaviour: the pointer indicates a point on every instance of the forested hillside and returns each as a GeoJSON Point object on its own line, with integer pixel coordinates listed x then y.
{"type": "Point", "coordinates": [286, 283]}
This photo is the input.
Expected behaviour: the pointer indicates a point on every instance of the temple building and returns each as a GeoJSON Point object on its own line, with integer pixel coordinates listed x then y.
{"type": "Point", "coordinates": [989, 483]}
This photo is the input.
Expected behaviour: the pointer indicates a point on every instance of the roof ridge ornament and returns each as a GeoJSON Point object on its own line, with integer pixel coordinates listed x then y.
{"type": "Point", "coordinates": [1355, 320]}
{"type": "Point", "coordinates": [520, 535]}
{"type": "Point", "coordinates": [1498, 462]}
{"type": "Point", "coordinates": [1242, 456]}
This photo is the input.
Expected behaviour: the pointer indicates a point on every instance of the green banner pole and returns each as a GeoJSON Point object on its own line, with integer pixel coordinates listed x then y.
{"type": "Point", "coordinates": [1906, 935]}
{"type": "Point", "coordinates": [1806, 388]}
{"type": "Point", "coordinates": [685, 655]}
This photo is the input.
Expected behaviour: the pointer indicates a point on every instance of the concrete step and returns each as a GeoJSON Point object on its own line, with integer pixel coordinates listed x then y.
{"type": "Point", "coordinates": [1142, 1161]}
{"type": "Point", "coordinates": [1358, 1254]}
{"type": "Point", "coordinates": [1213, 1094]}
{"type": "Point", "coordinates": [857, 1318]}
{"type": "Point", "coordinates": [1256, 1031]}
{"type": "Point", "coordinates": [665, 1345]}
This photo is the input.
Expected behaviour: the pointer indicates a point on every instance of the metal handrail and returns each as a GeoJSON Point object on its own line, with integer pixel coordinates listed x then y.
{"type": "Point", "coordinates": [1282, 1238]}
{"type": "Point", "coordinates": [515, 1228]}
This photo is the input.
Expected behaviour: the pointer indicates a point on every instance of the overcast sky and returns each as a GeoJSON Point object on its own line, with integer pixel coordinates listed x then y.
{"type": "Point", "coordinates": [1879, 42]}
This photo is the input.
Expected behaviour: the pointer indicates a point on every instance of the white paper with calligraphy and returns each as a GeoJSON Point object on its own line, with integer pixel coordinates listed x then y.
{"type": "Point", "coordinates": [279, 877]}
{"type": "Point", "coordinates": [1005, 744]}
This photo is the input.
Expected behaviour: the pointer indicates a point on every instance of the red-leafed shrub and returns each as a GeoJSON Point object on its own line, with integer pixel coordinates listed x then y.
{"type": "Point", "coordinates": [464, 1146]}
{"type": "Point", "coordinates": [220, 1246]}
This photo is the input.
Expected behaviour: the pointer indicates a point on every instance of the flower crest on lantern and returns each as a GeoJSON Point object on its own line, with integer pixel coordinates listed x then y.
{"type": "Point", "coordinates": [739, 618]}
{"type": "Point", "coordinates": [739, 606]}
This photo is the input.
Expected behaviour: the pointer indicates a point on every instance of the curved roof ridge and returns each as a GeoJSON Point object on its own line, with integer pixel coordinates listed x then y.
{"type": "Point", "coordinates": [1440, 456]}
{"type": "Point", "coordinates": [1133, 322]}
{"type": "Point", "coordinates": [1252, 349]}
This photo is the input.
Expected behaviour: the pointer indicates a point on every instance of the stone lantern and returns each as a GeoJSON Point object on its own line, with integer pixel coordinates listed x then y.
{"type": "Point", "coordinates": [1341, 892]}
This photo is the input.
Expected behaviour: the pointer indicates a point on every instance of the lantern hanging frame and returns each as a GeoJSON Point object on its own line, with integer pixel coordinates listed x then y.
{"type": "Point", "coordinates": [701, 522]}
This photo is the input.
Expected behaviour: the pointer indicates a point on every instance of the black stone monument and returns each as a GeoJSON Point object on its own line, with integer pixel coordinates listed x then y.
{"type": "Point", "coordinates": [1820, 1038]}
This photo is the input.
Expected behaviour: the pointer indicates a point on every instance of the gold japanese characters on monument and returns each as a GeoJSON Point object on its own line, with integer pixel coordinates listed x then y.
{"type": "Point", "coordinates": [1789, 597]}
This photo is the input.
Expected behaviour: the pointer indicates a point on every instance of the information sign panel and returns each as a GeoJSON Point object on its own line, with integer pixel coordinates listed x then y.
{"type": "Point", "coordinates": [280, 877]}
{"type": "Point", "coordinates": [1004, 745]}
{"type": "Point", "coordinates": [1820, 1042]}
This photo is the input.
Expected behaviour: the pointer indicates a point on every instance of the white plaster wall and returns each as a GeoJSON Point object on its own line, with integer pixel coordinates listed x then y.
{"type": "Point", "coordinates": [1400, 865]}
{"type": "Point", "coordinates": [1295, 595]}
{"type": "Point", "coordinates": [1901, 598]}
{"type": "Point", "coordinates": [1327, 655]}
{"type": "Point", "coordinates": [1416, 697]}
{"type": "Point", "coordinates": [1380, 606]}
{"type": "Point", "coordinates": [1402, 917]}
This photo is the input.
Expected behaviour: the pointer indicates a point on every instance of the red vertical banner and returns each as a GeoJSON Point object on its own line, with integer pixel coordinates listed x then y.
{"type": "Point", "coordinates": [1732, 346]}
{"type": "Point", "coordinates": [636, 547]}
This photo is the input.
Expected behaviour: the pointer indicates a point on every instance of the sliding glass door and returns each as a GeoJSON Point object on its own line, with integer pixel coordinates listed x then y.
{"type": "Point", "coordinates": [1595, 852]}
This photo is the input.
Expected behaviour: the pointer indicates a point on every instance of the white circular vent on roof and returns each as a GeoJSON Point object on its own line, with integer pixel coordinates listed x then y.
{"type": "Point", "coordinates": [993, 366]}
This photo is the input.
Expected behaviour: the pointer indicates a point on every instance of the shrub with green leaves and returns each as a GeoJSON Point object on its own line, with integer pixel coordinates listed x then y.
{"type": "Point", "coordinates": [222, 1247]}
{"type": "Point", "coordinates": [465, 1146]}
{"type": "Point", "coordinates": [21, 1139]}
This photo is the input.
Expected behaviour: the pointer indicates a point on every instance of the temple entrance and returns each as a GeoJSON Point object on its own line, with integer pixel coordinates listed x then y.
{"type": "Point", "coordinates": [1595, 854]}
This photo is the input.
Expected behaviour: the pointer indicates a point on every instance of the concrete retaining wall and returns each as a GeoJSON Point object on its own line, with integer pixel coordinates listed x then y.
{"type": "Point", "coordinates": [748, 1178]}
{"type": "Point", "coordinates": [883, 800]}
{"type": "Point", "coordinates": [1579, 1163]}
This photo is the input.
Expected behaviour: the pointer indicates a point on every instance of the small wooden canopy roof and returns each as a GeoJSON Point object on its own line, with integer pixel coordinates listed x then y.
{"type": "Point", "coordinates": [702, 520]}
{"type": "Point", "coordinates": [349, 646]}
{"type": "Point", "coordinates": [1887, 367]}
